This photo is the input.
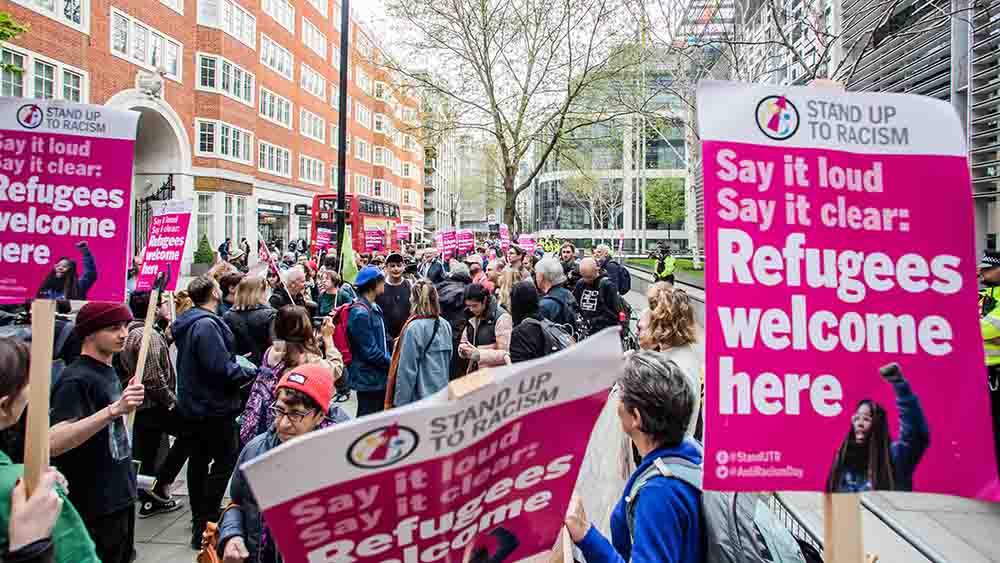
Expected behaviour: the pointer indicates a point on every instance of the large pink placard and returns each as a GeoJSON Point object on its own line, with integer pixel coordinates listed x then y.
{"type": "Point", "coordinates": [466, 241]}
{"type": "Point", "coordinates": [435, 480]}
{"type": "Point", "coordinates": [65, 199]}
{"type": "Point", "coordinates": [842, 339]}
{"type": "Point", "coordinates": [165, 244]}
{"type": "Point", "coordinates": [504, 237]}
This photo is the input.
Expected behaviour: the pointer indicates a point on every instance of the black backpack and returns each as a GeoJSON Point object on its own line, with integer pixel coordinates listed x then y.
{"type": "Point", "coordinates": [571, 319]}
{"type": "Point", "coordinates": [557, 337]}
{"type": "Point", "coordinates": [624, 281]}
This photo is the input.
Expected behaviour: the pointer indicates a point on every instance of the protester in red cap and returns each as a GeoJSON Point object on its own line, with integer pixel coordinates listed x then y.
{"type": "Point", "coordinates": [302, 400]}
{"type": "Point", "coordinates": [89, 440]}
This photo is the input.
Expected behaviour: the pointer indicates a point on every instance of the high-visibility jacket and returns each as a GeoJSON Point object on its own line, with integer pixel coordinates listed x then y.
{"type": "Point", "coordinates": [665, 267]}
{"type": "Point", "coordinates": [989, 323]}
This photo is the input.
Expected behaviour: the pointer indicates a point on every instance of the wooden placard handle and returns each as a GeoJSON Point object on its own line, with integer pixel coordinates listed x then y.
{"type": "Point", "coordinates": [36, 442]}
{"type": "Point", "coordinates": [842, 540]}
{"type": "Point", "coordinates": [147, 334]}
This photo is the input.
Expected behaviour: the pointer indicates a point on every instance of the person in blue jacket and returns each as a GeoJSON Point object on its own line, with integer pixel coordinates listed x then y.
{"type": "Point", "coordinates": [868, 459]}
{"type": "Point", "coordinates": [368, 371]}
{"type": "Point", "coordinates": [62, 281]}
{"type": "Point", "coordinates": [655, 408]}
{"type": "Point", "coordinates": [209, 379]}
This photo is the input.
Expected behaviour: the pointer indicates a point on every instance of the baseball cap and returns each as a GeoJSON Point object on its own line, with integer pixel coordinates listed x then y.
{"type": "Point", "coordinates": [313, 380]}
{"type": "Point", "coordinates": [367, 274]}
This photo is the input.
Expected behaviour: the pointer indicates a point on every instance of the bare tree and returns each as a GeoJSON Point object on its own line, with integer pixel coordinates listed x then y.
{"type": "Point", "coordinates": [522, 74]}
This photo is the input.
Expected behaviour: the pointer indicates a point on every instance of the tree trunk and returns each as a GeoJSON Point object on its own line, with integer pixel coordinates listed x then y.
{"type": "Point", "coordinates": [510, 201]}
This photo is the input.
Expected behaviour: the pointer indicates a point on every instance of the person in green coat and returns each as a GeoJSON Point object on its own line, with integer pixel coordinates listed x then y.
{"type": "Point", "coordinates": [44, 527]}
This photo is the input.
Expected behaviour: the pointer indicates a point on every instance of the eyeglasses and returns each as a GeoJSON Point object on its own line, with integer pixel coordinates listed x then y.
{"type": "Point", "coordinates": [295, 417]}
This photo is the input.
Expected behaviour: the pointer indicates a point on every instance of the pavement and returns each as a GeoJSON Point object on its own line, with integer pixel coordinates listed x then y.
{"type": "Point", "coordinates": [958, 530]}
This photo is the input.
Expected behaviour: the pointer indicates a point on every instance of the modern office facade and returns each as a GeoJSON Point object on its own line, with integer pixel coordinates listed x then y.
{"type": "Point", "coordinates": [595, 193]}
{"type": "Point", "coordinates": [238, 102]}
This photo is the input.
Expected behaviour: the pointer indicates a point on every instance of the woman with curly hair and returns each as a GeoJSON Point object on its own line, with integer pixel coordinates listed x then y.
{"type": "Point", "coordinates": [668, 327]}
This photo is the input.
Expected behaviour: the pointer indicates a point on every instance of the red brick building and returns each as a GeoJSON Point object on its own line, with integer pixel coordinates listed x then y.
{"type": "Point", "coordinates": [246, 120]}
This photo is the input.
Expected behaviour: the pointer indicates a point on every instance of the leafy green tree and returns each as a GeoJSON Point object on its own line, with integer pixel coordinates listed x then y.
{"type": "Point", "coordinates": [9, 29]}
{"type": "Point", "coordinates": [665, 201]}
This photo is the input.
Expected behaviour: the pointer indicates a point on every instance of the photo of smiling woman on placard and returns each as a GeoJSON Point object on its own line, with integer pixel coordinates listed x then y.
{"type": "Point", "coordinates": [63, 282]}
{"type": "Point", "coordinates": [868, 459]}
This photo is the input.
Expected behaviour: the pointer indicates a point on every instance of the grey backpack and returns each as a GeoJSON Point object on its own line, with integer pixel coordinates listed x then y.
{"type": "Point", "coordinates": [739, 527]}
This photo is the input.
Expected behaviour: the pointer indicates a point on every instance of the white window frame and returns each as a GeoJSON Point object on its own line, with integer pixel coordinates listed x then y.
{"type": "Point", "coordinates": [247, 140]}
{"type": "Point", "coordinates": [378, 156]}
{"type": "Point", "coordinates": [407, 169]}
{"type": "Point", "coordinates": [275, 9]}
{"type": "Point", "coordinates": [320, 6]}
{"type": "Point", "coordinates": [337, 7]}
{"type": "Point", "coordinates": [378, 122]}
{"type": "Point", "coordinates": [334, 96]}
{"type": "Point", "coordinates": [175, 5]}
{"type": "Point", "coordinates": [275, 171]}
{"type": "Point", "coordinates": [363, 185]}
{"type": "Point", "coordinates": [363, 115]}
{"type": "Point", "coordinates": [28, 75]}
{"type": "Point", "coordinates": [335, 55]}
{"type": "Point", "coordinates": [146, 64]}
{"type": "Point", "coordinates": [381, 90]}
{"type": "Point", "coordinates": [363, 81]}
{"type": "Point", "coordinates": [314, 39]}
{"type": "Point", "coordinates": [304, 160]}
{"type": "Point", "coordinates": [309, 123]}
{"type": "Point", "coordinates": [334, 136]}
{"type": "Point", "coordinates": [217, 88]}
{"type": "Point", "coordinates": [319, 90]}
{"type": "Point", "coordinates": [58, 7]}
{"type": "Point", "coordinates": [280, 50]}
{"type": "Point", "coordinates": [362, 150]}
{"type": "Point", "coordinates": [275, 98]}
{"type": "Point", "coordinates": [250, 40]}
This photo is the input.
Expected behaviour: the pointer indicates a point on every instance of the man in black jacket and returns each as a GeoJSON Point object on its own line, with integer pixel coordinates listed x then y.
{"type": "Point", "coordinates": [209, 378]}
{"type": "Point", "coordinates": [451, 295]}
{"type": "Point", "coordinates": [599, 301]}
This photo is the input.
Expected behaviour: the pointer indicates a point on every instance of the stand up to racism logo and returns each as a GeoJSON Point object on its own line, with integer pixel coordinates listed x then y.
{"type": "Point", "coordinates": [383, 447]}
{"type": "Point", "coordinates": [777, 117]}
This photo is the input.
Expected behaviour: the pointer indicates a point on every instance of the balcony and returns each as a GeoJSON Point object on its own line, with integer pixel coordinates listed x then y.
{"type": "Point", "coordinates": [429, 204]}
{"type": "Point", "coordinates": [430, 165]}
{"type": "Point", "coordinates": [430, 183]}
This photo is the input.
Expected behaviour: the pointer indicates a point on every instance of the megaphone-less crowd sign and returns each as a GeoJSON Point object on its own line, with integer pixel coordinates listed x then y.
{"type": "Point", "coordinates": [65, 200]}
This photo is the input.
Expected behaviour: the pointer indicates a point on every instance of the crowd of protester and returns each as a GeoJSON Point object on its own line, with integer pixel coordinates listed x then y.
{"type": "Point", "coordinates": [243, 359]}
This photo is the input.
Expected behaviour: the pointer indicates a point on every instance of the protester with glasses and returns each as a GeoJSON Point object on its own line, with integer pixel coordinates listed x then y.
{"type": "Point", "coordinates": [302, 399]}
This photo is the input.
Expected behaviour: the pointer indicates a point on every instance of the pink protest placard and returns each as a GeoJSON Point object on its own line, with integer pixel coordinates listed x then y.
{"type": "Point", "coordinates": [165, 245]}
{"type": "Point", "coordinates": [466, 241]}
{"type": "Point", "coordinates": [504, 237]}
{"type": "Point", "coordinates": [843, 343]}
{"type": "Point", "coordinates": [449, 240]}
{"type": "Point", "coordinates": [323, 237]}
{"type": "Point", "coordinates": [403, 231]}
{"type": "Point", "coordinates": [527, 243]}
{"type": "Point", "coordinates": [429, 482]}
{"type": "Point", "coordinates": [374, 239]}
{"type": "Point", "coordinates": [65, 199]}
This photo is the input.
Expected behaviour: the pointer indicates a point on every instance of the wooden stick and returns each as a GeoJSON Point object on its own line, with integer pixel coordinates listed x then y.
{"type": "Point", "coordinates": [36, 442]}
{"type": "Point", "coordinates": [842, 541]}
{"type": "Point", "coordinates": [147, 334]}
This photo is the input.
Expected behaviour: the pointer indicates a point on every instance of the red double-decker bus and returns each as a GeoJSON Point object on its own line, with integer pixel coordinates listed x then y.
{"type": "Point", "coordinates": [361, 212]}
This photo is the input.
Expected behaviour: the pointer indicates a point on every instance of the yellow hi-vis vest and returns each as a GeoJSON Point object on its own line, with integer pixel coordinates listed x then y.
{"type": "Point", "coordinates": [989, 324]}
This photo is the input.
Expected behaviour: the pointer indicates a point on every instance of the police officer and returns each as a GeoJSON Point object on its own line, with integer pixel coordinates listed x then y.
{"type": "Point", "coordinates": [989, 324]}
{"type": "Point", "coordinates": [665, 266]}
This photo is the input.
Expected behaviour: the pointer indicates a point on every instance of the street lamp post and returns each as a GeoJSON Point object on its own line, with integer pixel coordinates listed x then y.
{"type": "Point", "coordinates": [341, 210]}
